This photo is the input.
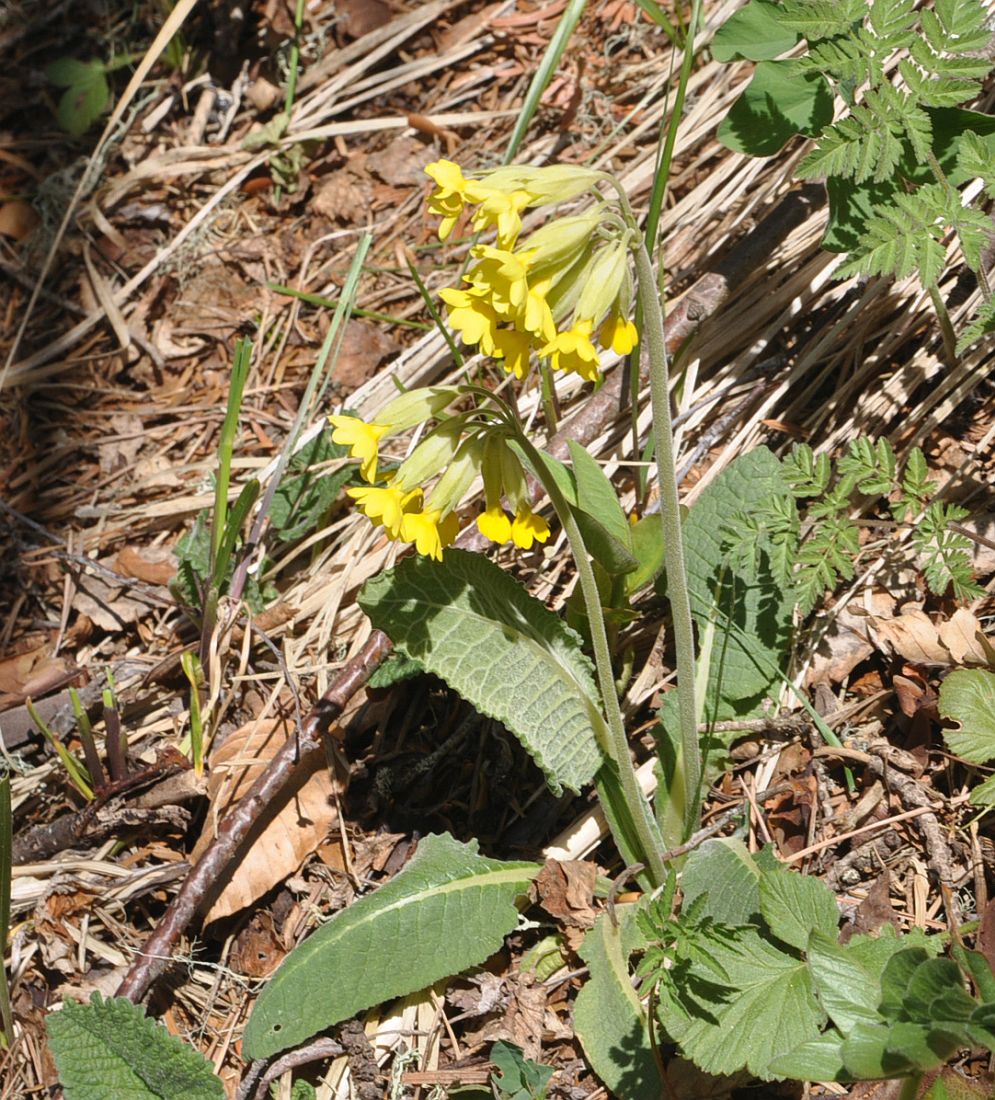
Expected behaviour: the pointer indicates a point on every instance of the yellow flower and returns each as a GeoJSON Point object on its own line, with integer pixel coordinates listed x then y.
{"type": "Point", "coordinates": [472, 316]}
{"type": "Point", "coordinates": [618, 334]}
{"type": "Point", "coordinates": [573, 351]}
{"type": "Point", "coordinates": [429, 531]}
{"type": "Point", "coordinates": [362, 439]}
{"type": "Point", "coordinates": [494, 524]}
{"type": "Point", "coordinates": [452, 191]}
{"type": "Point", "coordinates": [503, 276]}
{"type": "Point", "coordinates": [536, 317]}
{"type": "Point", "coordinates": [386, 507]}
{"type": "Point", "coordinates": [503, 209]}
{"type": "Point", "coordinates": [512, 347]}
{"type": "Point", "coordinates": [527, 528]}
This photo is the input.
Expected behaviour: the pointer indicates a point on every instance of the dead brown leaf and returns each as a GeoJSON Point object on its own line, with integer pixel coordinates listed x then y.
{"type": "Point", "coordinates": [17, 219]}
{"type": "Point", "coordinates": [364, 348]}
{"type": "Point", "coordinates": [914, 636]}
{"type": "Point", "coordinates": [289, 831]}
{"type": "Point", "coordinates": [152, 564]}
{"type": "Point", "coordinates": [31, 673]}
{"type": "Point", "coordinates": [257, 950]}
{"type": "Point", "coordinates": [964, 638]}
{"type": "Point", "coordinates": [565, 889]}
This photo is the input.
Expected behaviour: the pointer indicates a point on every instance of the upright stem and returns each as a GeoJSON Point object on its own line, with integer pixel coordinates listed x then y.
{"type": "Point", "coordinates": [689, 763]}
{"type": "Point", "coordinates": [637, 817]}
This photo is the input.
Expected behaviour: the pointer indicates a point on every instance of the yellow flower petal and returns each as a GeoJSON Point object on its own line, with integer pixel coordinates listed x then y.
{"type": "Point", "coordinates": [362, 439]}
{"type": "Point", "coordinates": [618, 334]}
{"type": "Point", "coordinates": [472, 317]}
{"type": "Point", "coordinates": [494, 524]}
{"type": "Point", "coordinates": [527, 528]}
{"type": "Point", "coordinates": [513, 347]}
{"type": "Point", "coordinates": [422, 528]}
{"type": "Point", "coordinates": [385, 506]}
{"type": "Point", "coordinates": [573, 351]}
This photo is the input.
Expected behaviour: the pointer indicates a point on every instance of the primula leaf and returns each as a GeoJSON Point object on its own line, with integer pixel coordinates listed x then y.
{"type": "Point", "coordinates": [474, 626]}
{"type": "Point", "coordinates": [648, 549]}
{"type": "Point", "coordinates": [595, 494]}
{"type": "Point", "coordinates": [111, 1048]}
{"type": "Point", "coordinates": [608, 1017]}
{"type": "Point", "coordinates": [754, 33]}
{"type": "Point", "coordinates": [448, 909]}
{"type": "Point", "coordinates": [967, 696]}
{"type": "Point", "coordinates": [778, 103]}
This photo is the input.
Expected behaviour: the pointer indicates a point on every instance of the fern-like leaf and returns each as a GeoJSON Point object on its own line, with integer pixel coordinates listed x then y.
{"type": "Point", "coordinates": [958, 26]}
{"type": "Point", "coordinates": [806, 473]}
{"type": "Point", "coordinates": [903, 238]}
{"type": "Point", "coordinates": [892, 22]}
{"type": "Point", "coordinates": [982, 323]}
{"type": "Point", "coordinates": [976, 159]}
{"type": "Point", "coordinates": [823, 558]}
{"type": "Point", "coordinates": [915, 489]}
{"type": "Point", "coordinates": [869, 467]}
{"type": "Point", "coordinates": [945, 554]}
{"type": "Point", "coordinates": [819, 19]}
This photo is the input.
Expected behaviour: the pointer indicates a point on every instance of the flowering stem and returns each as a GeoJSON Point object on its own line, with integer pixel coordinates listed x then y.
{"type": "Point", "coordinates": [688, 767]}
{"type": "Point", "coordinates": [628, 813]}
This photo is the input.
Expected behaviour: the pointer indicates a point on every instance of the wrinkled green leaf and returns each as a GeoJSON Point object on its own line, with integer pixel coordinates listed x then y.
{"type": "Point", "coordinates": [608, 1017]}
{"type": "Point", "coordinates": [468, 622]}
{"type": "Point", "coordinates": [447, 910]}
{"type": "Point", "coordinates": [111, 1049]}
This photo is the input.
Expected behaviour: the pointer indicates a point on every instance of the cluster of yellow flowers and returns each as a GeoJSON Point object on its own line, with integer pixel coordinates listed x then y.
{"type": "Point", "coordinates": [548, 293]}
{"type": "Point", "coordinates": [461, 448]}
{"type": "Point", "coordinates": [574, 269]}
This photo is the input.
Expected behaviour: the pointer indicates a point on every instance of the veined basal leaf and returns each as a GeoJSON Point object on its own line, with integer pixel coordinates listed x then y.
{"type": "Point", "coordinates": [475, 627]}
{"type": "Point", "coordinates": [447, 910]}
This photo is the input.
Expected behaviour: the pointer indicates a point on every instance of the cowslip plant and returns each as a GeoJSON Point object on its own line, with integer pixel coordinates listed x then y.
{"type": "Point", "coordinates": [899, 156]}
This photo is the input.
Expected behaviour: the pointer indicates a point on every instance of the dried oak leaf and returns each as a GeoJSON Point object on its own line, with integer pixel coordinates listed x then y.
{"type": "Point", "coordinates": [291, 827]}
{"type": "Point", "coordinates": [565, 889]}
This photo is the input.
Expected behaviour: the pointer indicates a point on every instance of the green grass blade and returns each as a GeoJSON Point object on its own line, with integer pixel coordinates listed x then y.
{"type": "Point", "coordinates": [332, 339]}
{"type": "Point", "coordinates": [239, 373]}
{"type": "Point", "coordinates": [332, 303]}
{"type": "Point", "coordinates": [544, 74]}
{"type": "Point", "coordinates": [655, 12]}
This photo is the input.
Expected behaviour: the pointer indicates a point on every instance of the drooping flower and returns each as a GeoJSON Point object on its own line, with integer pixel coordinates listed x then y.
{"type": "Point", "coordinates": [430, 531]}
{"type": "Point", "coordinates": [512, 348]}
{"type": "Point", "coordinates": [472, 315]}
{"type": "Point", "coordinates": [618, 334]}
{"type": "Point", "coordinates": [504, 210]}
{"type": "Point", "coordinates": [502, 276]}
{"type": "Point", "coordinates": [527, 527]}
{"type": "Point", "coordinates": [386, 506]}
{"type": "Point", "coordinates": [572, 351]}
{"type": "Point", "coordinates": [450, 194]}
{"type": "Point", "coordinates": [493, 523]}
{"type": "Point", "coordinates": [362, 439]}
